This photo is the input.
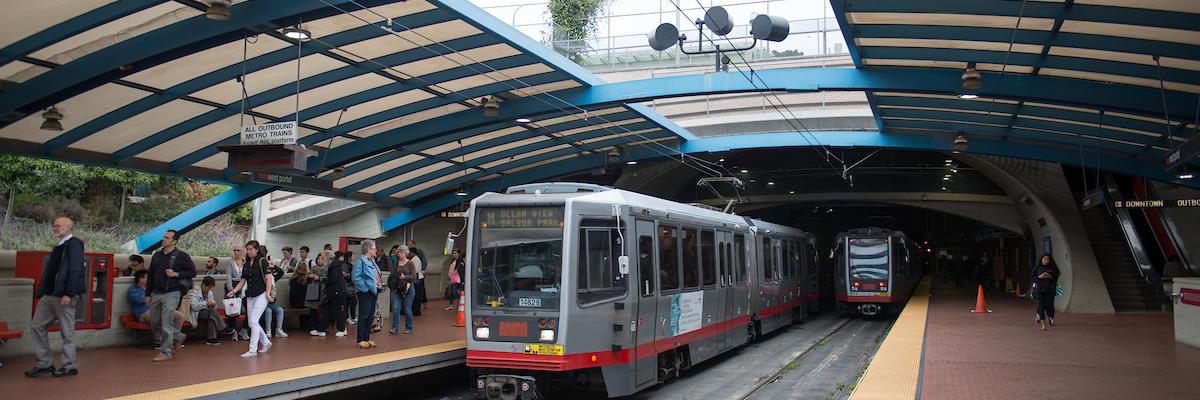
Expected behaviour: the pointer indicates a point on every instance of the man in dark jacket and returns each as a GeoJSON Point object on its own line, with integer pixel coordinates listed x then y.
{"type": "Point", "coordinates": [63, 282]}
{"type": "Point", "coordinates": [171, 273]}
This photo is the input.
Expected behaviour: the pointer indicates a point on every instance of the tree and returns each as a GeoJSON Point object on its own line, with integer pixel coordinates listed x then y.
{"type": "Point", "coordinates": [125, 179]}
{"type": "Point", "coordinates": [573, 21]}
{"type": "Point", "coordinates": [39, 177]}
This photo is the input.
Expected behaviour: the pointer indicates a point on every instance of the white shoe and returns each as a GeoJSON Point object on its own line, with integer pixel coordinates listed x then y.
{"type": "Point", "coordinates": [340, 334]}
{"type": "Point", "coordinates": [350, 321]}
{"type": "Point", "coordinates": [265, 347]}
{"type": "Point", "coordinates": [314, 332]}
{"type": "Point", "coordinates": [281, 334]}
{"type": "Point", "coordinates": [448, 308]}
{"type": "Point", "coordinates": [249, 354]}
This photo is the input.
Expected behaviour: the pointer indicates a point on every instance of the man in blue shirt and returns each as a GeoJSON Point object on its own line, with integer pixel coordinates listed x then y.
{"type": "Point", "coordinates": [138, 298]}
{"type": "Point", "coordinates": [366, 280]}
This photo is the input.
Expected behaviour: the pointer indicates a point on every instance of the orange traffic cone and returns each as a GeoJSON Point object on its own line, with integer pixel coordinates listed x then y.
{"type": "Point", "coordinates": [461, 319]}
{"type": "Point", "coordinates": [980, 306]}
{"type": "Point", "coordinates": [1018, 287]}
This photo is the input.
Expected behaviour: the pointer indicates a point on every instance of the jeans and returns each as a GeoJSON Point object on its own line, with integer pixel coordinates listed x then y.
{"type": "Point", "coordinates": [49, 310]}
{"type": "Point", "coordinates": [274, 313]}
{"type": "Point", "coordinates": [403, 304]}
{"type": "Point", "coordinates": [257, 305]}
{"type": "Point", "coordinates": [162, 313]}
{"type": "Point", "coordinates": [212, 322]}
{"type": "Point", "coordinates": [366, 313]}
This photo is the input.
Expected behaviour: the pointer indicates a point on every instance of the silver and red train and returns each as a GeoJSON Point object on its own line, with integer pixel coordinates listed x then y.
{"type": "Point", "coordinates": [876, 270]}
{"type": "Point", "coordinates": [584, 286]}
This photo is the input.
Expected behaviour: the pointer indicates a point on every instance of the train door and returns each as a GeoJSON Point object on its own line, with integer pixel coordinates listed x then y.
{"type": "Point", "coordinates": [724, 290]}
{"type": "Point", "coordinates": [645, 362]}
{"type": "Point", "coordinates": [743, 275]}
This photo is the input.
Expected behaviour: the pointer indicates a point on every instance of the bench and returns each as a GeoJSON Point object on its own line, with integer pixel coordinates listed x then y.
{"type": "Point", "coordinates": [6, 334]}
{"type": "Point", "coordinates": [137, 327]}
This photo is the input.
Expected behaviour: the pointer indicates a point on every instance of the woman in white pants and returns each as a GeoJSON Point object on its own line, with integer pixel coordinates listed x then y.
{"type": "Point", "coordinates": [258, 284]}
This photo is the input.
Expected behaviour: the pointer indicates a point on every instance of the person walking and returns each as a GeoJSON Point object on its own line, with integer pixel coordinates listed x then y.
{"type": "Point", "coordinates": [333, 305]}
{"type": "Point", "coordinates": [171, 273]}
{"type": "Point", "coordinates": [63, 281]}
{"type": "Point", "coordinates": [1045, 284]}
{"type": "Point", "coordinates": [366, 286]}
{"type": "Point", "coordinates": [258, 284]}
{"type": "Point", "coordinates": [401, 284]}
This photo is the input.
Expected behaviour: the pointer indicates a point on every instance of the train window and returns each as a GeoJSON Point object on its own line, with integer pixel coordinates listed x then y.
{"type": "Point", "coordinates": [691, 265]}
{"type": "Point", "coordinates": [739, 243]}
{"type": "Point", "coordinates": [793, 258]}
{"type": "Point", "coordinates": [785, 265]}
{"type": "Point", "coordinates": [646, 264]}
{"type": "Point", "coordinates": [708, 258]}
{"type": "Point", "coordinates": [668, 258]}
{"type": "Point", "coordinates": [768, 260]}
{"type": "Point", "coordinates": [599, 277]}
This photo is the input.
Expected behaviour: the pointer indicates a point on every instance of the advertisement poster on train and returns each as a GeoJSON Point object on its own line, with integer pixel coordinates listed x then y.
{"type": "Point", "coordinates": [685, 312]}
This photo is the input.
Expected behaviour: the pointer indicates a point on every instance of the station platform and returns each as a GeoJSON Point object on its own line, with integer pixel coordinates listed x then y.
{"type": "Point", "coordinates": [1004, 355]}
{"type": "Point", "coordinates": [296, 366]}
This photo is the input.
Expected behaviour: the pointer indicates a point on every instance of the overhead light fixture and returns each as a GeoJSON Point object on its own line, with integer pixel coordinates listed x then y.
{"type": "Point", "coordinates": [462, 192]}
{"type": "Point", "coordinates": [1185, 173]}
{"type": "Point", "coordinates": [218, 10]}
{"type": "Point", "coordinates": [949, 161]}
{"type": "Point", "coordinates": [523, 120]}
{"type": "Point", "coordinates": [631, 162]}
{"type": "Point", "coordinates": [490, 105]}
{"type": "Point", "coordinates": [791, 192]}
{"type": "Point", "coordinates": [745, 171]}
{"type": "Point", "coordinates": [972, 82]}
{"type": "Point", "coordinates": [945, 178]}
{"type": "Point", "coordinates": [339, 172]}
{"type": "Point", "coordinates": [297, 33]}
{"type": "Point", "coordinates": [943, 188]}
{"type": "Point", "coordinates": [53, 120]}
{"type": "Point", "coordinates": [960, 142]}
{"type": "Point", "coordinates": [721, 160]}
{"type": "Point", "coordinates": [614, 156]}
{"type": "Point", "coordinates": [770, 183]}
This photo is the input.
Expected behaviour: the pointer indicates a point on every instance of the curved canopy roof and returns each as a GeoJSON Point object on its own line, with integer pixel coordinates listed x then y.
{"type": "Point", "coordinates": [157, 86]}
{"type": "Point", "coordinates": [1144, 43]}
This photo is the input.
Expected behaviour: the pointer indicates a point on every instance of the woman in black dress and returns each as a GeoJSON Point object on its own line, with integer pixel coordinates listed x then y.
{"type": "Point", "coordinates": [1045, 282]}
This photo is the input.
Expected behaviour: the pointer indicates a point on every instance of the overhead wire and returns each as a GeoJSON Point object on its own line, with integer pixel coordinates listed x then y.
{"type": "Point", "coordinates": [802, 130]}
{"type": "Point", "coordinates": [683, 156]}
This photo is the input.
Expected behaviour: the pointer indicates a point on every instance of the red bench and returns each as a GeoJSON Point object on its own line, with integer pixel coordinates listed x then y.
{"type": "Point", "coordinates": [6, 334]}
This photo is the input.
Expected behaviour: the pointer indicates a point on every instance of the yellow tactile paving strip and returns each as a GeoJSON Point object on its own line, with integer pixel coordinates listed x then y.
{"type": "Point", "coordinates": [250, 381]}
{"type": "Point", "coordinates": [896, 367]}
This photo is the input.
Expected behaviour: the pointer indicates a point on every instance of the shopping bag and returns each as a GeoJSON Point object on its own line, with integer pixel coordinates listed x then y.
{"type": "Point", "coordinates": [233, 307]}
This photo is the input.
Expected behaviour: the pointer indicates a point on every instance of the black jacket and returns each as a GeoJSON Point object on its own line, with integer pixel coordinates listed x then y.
{"type": "Point", "coordinates": [1045, 285]}
{"type": "Point", "coordinates": [335, 284]}
{"type": "Point", "coordinates": [68, 277]}
{"type": "Point", "coordinates": [159, 263]}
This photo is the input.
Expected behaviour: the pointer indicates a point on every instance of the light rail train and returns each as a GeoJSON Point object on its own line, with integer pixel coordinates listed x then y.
{"type": "Point", "coordinates": [591, 287]}
{"type": "Point", "coordinates": [876, 270]}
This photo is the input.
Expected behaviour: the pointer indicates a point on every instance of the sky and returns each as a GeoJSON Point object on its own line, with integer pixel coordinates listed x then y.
{"type": "Point", "coordinates": [634, 18]}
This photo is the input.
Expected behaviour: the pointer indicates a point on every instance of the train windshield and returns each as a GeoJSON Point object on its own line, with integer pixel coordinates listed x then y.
{"type": "Point", "coordinates": [520, 258]}
{"type": "Point", "coordinates": [868, 264]}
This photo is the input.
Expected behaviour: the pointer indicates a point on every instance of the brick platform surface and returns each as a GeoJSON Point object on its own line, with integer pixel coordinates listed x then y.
{"type": "Point", "coordinates": [1004, 355]}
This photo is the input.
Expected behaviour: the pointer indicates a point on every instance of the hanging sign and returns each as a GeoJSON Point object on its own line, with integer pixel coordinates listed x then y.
{"type": "Point", "coordinates": [273, 133]}
{"type": "Point", "coordinates": [1187, 203]}
{"type": "Point", "coordinates": [293, 181]}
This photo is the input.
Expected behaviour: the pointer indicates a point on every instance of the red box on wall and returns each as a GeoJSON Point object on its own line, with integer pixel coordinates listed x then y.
{"type": "Point", "coordinates": [95, 307]}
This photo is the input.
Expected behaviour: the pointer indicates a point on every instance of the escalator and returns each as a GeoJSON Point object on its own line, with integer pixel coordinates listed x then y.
{"type": "Point", "coordinates": [1115, 260]}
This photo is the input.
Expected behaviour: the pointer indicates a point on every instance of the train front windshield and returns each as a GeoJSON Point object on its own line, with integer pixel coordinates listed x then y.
{"type": "Point", "coordinates": [519, 267]}
{"type": "Point", "coordinates": [868, 264]}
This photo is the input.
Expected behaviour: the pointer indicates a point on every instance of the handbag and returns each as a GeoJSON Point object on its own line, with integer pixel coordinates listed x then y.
{"type": "Point", "coordinates": [233, 307]}
{"type": "Point", "coordinates": [313, 293]}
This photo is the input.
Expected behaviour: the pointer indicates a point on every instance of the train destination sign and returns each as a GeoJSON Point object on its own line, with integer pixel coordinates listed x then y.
{"type": "Point", "coordinates": [273, 133]}
{"type": "Point", "coordinates": [1157, 203]}
{"type": "Point", "coordinates": [300, 182]}
{"type": "Point", "coordinates": [521, 217]}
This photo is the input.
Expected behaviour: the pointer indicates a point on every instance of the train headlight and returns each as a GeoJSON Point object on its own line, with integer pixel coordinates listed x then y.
{"type": "Point", "coordinates": [547, 335]}
{"type": "Point", "coordinates": [483, 332]}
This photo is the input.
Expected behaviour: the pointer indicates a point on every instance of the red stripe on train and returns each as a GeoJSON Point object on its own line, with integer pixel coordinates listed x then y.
{"type": "Point", "coordinates": [501, 359]}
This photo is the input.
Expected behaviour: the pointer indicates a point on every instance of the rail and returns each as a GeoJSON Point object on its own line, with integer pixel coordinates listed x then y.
{"type": "Point", "coordinates": [1151, 281]}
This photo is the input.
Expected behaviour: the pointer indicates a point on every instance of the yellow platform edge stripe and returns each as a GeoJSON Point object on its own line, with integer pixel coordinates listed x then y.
{"type": "Point", "coordinates": [896, 367]}
{"type": "Point", "coordinates": [301, 372]}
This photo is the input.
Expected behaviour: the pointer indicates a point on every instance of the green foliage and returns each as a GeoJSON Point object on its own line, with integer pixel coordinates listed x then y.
{"type": "Point", "coordinates": [42, 177]}
{"type": "Point", "coordinates": [213, 238]}
{"type": "Point", "coordinates": [573, 20]}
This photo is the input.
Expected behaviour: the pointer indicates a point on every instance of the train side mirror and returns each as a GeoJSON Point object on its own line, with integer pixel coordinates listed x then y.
{"type": "Point", "coordinates": [623, 265]}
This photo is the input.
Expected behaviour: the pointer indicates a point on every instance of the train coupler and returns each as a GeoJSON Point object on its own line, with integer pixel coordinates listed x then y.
{"type": "Point", "coordinates": [506, 387]}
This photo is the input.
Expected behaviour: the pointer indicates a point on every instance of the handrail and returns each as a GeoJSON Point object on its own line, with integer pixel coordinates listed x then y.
{"type": "Point", "coordinates": [1173, 233]}
{"type": "Point", "coordinates": [1151, 282]}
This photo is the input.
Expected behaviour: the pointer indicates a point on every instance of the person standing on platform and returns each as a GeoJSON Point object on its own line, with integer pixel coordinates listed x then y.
{"type": "Point", "coordinates": [63, 281]}
{"type": "Point", "coordinates": [1045, 284]}
{"type": "Point", "coordinates": [333, 303]}
{"type": "Point", "coordinates": [401, 284]}
{"type": "Point", "coordinates": [454, 275]}
{"type": "Point", "coordinates": [274, 314]}
{"type": "Point", "coordinates": [258, 284]}
{"type": "Point", "coordinates": [351, 293]}
{"type": "Point", "coordinates": [171, 273]}
{"type": "Point", "coordinates": [421, 263]}
{"type": "Point", "coordinates": [366, 285]}
{"type": "Point", "coordinates": [233, 272]}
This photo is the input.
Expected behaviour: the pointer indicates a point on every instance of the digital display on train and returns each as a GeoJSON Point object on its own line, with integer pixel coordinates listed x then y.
{"type": "Point", "coordinates": [520, 217]}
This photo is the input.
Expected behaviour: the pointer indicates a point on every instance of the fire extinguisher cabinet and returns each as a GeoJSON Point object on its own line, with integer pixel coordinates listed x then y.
{"type": "Point", "coordinates": [95, 306]}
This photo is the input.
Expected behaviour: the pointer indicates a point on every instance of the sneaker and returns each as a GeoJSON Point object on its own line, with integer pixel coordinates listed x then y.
{"type": "Point", "coordinates": [38, 371]}
{"type": "Point", "coordinates": [407, 331]}
{"type": "Point", "coordinates": [1051, 322]}
{"type": "Point", "coordinates": [448, 308]}
{"type": "Point", "coordinates": [340, 334]}
{"type": "Point", "coordinates": [391, 331]}
{"type": "Point", "coordinates": [314, 332]}
{"type": "Point", "coordinates": [249, 354]}
{"type": "Point", "coordinates": [212, 342]}
{"type": "Point", "coordinates": [350, 321]}
{"type": "Point", "coordinates": [281, 334]}
{"type": "Point", "coordinates": [61, 372]}
{"type": "Point", "coordinates": [265, 347]}
{"type": "Point", "coordinates": [161, 357]}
